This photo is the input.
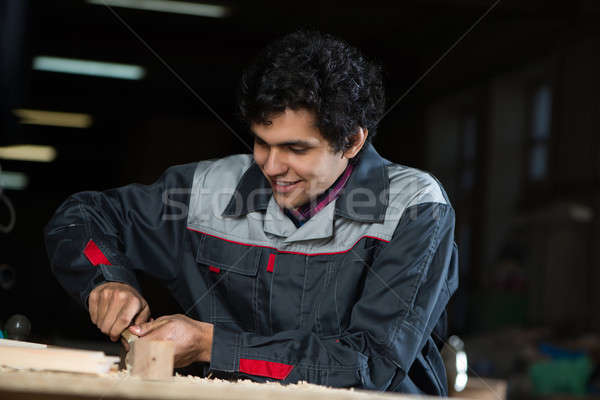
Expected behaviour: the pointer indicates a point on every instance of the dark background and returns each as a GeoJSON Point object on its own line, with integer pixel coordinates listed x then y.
{"type": "Point", "coordinates": [469, 112]}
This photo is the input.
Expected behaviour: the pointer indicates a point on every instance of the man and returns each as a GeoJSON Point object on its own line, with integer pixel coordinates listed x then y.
{"type": "Point", "coordinates": [313, 259]}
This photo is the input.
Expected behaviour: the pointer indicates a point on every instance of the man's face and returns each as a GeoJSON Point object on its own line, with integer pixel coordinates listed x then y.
{"type": "Point", "coordinates": [296, 160]}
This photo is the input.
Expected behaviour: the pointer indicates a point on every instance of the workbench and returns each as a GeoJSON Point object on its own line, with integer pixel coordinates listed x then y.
{"type": "Point", "coordinates": [33, 385]}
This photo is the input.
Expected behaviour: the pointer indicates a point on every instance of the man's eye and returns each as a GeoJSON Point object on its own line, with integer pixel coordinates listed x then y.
{"type": "Point", "coordinates": [298, 150]}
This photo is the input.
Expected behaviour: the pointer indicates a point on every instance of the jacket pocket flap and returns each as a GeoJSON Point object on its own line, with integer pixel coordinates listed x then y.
{"type": "Point", "coordinates": [239, 258]}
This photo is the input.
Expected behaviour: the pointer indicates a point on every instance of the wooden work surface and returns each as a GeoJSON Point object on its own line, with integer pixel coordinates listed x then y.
{"type": "Point", "coordinates": [61, 385]}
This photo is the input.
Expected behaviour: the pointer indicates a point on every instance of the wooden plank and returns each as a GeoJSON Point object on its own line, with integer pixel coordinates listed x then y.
{"type": "Point", "coordinates": [18, 343]}
{"type": "Point", "coordinates": [152, 359]}
{"type": "Point", "coordinates": [57, 359]}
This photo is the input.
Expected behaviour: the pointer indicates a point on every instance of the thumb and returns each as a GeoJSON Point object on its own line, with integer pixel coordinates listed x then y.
{"type": "Point", "coordinates": [140, 329]}
{"type": "Point", "coordinates": [147, 327]}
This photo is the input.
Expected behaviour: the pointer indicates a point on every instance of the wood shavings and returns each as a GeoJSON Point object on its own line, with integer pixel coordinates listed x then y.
{"type": "Point", "coordinates": [122, 385]}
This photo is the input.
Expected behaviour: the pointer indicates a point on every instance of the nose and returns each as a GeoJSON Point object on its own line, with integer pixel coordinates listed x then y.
{"type": "Point", "coordinates": [275, 164]}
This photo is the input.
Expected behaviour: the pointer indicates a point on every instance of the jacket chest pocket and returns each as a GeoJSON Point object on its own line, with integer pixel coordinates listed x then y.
{"type": "Point", "coordinates": [231, 270]}
{"type": "Point", "coordinates": [337, 282]}
{"type": "Point", "coordinates": [318, 307]}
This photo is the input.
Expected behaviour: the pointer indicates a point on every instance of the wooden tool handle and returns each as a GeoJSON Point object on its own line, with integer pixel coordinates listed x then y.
{"type": "Point", "coordinates": [128, 336]}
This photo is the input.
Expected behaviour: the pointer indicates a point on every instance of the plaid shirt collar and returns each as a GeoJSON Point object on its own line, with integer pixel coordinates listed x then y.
{"type": "Point", "coordinates": [303, 213]}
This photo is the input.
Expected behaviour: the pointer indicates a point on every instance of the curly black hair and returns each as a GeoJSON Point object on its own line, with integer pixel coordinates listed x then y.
{"type": "Point", "coordinates": [320, 73]}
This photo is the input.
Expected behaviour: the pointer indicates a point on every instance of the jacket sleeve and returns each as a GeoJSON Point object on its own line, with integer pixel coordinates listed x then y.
{"type": "Point", "coordinates": [97, 237]}
{"type": "Point", "coordinates": [406, 291]}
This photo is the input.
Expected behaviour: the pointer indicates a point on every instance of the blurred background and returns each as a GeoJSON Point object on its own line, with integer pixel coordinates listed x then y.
{"type": "Point", "coordinates": [498, 99]}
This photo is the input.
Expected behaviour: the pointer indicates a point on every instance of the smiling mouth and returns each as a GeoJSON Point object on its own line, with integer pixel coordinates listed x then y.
{"type": "Point", "coordinates": [284, 186]}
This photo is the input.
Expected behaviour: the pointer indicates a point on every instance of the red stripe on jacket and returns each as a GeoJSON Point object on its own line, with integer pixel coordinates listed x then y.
{"type": "Point", "coordinates": [271, 263]}
{"type": "Point", "coordinates": [265, 368]}
{"type": "Point", "coordinates": [94, 254]}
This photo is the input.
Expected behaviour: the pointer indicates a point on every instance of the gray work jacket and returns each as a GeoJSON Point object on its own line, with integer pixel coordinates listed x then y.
{"type": "Point", "coordinates": [355, 297]}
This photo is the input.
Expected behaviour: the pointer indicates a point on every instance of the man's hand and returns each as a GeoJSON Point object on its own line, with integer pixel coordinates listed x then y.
{"type": "Point", "coordinates": [114, 306]}
{"type": "Point", "coordinates": [193, 339]}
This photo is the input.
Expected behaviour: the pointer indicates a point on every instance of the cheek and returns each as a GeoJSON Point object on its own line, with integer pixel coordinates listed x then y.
{"type": "Point", "coordinates": [260, 155]}
{"type": "Point", "coordinates": [312, 169]}
{"type": "Point", "coordinates": [327, 169]}
{"type": "Point", "coordinates": [304, 167]}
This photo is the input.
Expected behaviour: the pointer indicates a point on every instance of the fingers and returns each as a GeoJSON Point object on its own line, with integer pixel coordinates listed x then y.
{"type": "Point", "coordinates": [159, 330]}
{"type": "Point", "coordinates": [156, 334]}
{"type": "Point", "coordinates": [114, 306]}
{"type": "Point", "coordinates": [125, 315]}
{"type": "Point", "coordinates": [145, 328]}
{"type": "Point", "coordinates": [104, 300]}
{"type": "Point", "coordinates": [96, 303]}
{"type": "Point", "coordinates": [143, 315]}
{"type": "Point", "coordinates": [110, 317]}
{"type": "Point", "coordinates": [94, 300]}
{"type": "Point", "coordinates": [93, 306]}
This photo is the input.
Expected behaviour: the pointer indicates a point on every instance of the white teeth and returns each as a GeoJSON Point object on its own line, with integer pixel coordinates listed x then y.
{"type": "Point", "coordinates": [284, 183]}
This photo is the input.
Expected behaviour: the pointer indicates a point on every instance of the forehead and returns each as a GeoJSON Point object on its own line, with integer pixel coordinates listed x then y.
{"type": "Point", "coordinates": [289, 125]}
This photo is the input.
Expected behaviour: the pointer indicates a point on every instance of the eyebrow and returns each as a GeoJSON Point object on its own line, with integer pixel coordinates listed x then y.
{"type": "Point", "coordinates": [288, 143]}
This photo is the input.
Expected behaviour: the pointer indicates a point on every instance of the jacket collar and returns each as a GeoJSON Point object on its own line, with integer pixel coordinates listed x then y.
{"type": "Point", "coordinates": [363, 199]}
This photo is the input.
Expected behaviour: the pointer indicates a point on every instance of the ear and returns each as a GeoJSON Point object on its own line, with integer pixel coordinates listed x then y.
{"type": "Point", "coordinates": [356, 141]}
